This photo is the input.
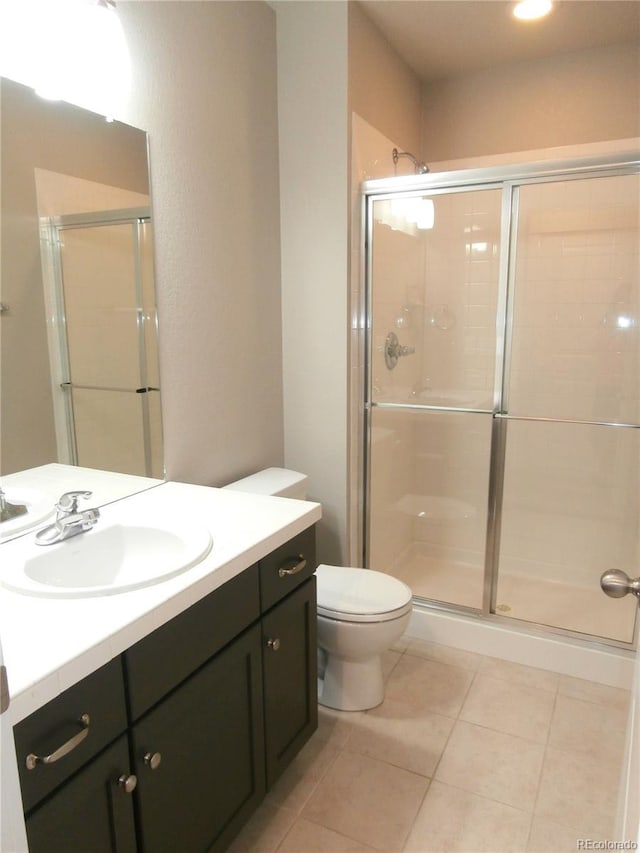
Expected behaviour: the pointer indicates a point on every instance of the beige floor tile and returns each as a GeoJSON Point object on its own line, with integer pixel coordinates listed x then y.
{"type": "Point", "coordinates": [492, 764]}
{"type": "Point", "coordinates": [299, 780]}
{"type": "Point", "coordinates": [444, 654]}
{"type": "Point", "coordinates": [509, 707]}
{"type": "Point", "coordinates": [578, 791]}
{"type": "Point", "coordinates": [429, 686]}
{"type": "Point", "coordinates": [454, 820]}
{"type": "Point", "coordinates": [549, 837]}
{"type": "Point", "coordinates": [264, 831]}
{"type": "Point", "coordinates": [528, 676]}
{"type": "Point", "coordinates": [398, 734]}
{"type": "Point", "coordinates": [308, 837]}
{"type": "Point", "coordinates": [590, 691]}
{"type": "Point", "coordinates": [389, 660]}
{"type": "Point", "coordinates": [335, 727]}
{"type": "Point", "coordinates": [367, 800]}
{"type": "Point", "coordinates": [597, 730]}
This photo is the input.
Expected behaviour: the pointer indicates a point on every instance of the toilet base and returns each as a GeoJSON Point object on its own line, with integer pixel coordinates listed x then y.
{"type": "Point", "coordinates": [352, 685]}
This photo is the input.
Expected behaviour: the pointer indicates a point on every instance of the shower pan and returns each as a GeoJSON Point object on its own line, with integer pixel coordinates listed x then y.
{"type": "Point", "coordinates": [502, 394]}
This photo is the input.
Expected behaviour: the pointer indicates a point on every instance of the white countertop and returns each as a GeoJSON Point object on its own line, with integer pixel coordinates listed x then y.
{"type": "Point", "coordinates": [51, 643]}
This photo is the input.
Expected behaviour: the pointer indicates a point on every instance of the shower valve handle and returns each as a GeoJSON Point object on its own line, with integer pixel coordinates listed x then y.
{"type": "Point", "coordinates": [616, 584]}
{"type": "Point", "coordinates": [393, 350]}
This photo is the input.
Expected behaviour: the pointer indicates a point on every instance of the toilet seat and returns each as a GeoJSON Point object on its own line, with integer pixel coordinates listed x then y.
{"type": "Point", "coordinates": [360, 595]}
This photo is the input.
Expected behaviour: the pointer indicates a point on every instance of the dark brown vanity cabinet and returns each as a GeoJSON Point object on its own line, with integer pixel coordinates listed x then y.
{"type": "Point", "coordinates": [192, 724]}
{"type": "Point", "coordinates": [289, 677]}
{"type": "Point", "coordinates": [289, 654]}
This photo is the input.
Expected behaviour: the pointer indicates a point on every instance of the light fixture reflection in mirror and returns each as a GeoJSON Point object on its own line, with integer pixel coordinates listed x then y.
{"type": "Point", "coordinates": [71, 50]}
{"type": "Point", "coordinates": [67, 177]}
{"type": "Point", "coordinates": [532, 10]}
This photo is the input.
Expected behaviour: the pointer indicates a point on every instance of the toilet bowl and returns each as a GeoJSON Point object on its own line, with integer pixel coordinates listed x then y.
{"type": "Point", "coordinates": [361, 613]}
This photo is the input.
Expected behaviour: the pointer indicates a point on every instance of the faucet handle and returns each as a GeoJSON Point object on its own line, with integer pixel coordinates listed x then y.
{"type": "Point", "coordinates": [68, 502]}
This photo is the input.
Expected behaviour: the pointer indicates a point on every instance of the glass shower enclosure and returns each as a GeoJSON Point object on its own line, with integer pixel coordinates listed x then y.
{"type": "Point", "coordinates": [502, 405]}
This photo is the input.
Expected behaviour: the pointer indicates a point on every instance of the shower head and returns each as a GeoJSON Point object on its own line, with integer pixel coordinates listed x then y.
{"type": "Point", "coordinates": [420, 167]}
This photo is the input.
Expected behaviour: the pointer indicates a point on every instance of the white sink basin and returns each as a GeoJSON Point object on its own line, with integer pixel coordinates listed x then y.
{"type": "Point", "coordinates": [109, 559]}
{"type": "Point", "coordinates": [39, 507]}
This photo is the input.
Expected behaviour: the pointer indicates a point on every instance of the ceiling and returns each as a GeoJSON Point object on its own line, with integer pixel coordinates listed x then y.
{"type": "Point", "coordinates": [445, 38]}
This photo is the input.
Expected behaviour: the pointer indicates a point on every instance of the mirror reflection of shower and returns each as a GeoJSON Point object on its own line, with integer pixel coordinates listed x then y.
{"type": "Point", "coordinates": [102, 329]}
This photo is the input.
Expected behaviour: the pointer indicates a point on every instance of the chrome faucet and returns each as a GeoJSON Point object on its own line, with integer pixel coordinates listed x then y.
{"type": "Point", "coordinates": [69, 520]}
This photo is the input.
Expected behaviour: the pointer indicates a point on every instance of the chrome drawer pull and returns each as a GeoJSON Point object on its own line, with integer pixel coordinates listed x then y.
{"type": "Point", "coordinates": [299, 563]}
{"type": "Point", "coordinates": [61, 751]}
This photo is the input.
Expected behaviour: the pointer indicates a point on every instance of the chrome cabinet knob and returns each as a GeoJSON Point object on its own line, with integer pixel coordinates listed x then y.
{"type": "Point", "coordinates": [616, 584]}
{"type": "Point", "coordinates": [152, 760]}
{"type": "Point", "coordinates": [273, 643]}
{"type": "Point", "coordinates": [128, 783]}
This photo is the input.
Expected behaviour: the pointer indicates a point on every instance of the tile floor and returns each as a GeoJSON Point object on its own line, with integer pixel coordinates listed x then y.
{"type": "Point", "coordinates": [467, 753]}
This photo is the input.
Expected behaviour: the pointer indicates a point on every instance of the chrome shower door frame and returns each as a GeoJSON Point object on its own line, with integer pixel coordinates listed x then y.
{"type": "Point", "coordinates": [509, 179]}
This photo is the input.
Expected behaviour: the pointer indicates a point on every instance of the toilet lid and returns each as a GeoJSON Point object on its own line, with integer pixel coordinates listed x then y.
{"type": "Point", "coordinates": [359, 592]}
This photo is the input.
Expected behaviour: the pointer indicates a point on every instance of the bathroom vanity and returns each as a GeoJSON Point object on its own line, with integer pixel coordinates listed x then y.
{"type": "Point", "coordinates": [184, 700]}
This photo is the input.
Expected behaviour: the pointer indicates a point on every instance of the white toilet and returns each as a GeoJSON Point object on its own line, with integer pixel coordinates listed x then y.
{"type": "Point", "coordinates": [360, 612]}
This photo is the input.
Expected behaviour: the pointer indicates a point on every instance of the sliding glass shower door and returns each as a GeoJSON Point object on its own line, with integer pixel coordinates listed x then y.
{"type": "Point", "coordinates": [433, 331]}
{"type": "Point", "coordinates": [502, 402]}
{"type": "Point", "coordinates": [570, 503]}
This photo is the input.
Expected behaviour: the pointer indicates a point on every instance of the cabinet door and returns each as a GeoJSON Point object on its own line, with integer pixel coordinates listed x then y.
{"type": "Point", "coordinates": [89, 812]}
{"type": "Point", "coordinates": [208, 737]}
{"type": "Point", "coordinates": [290, 677]}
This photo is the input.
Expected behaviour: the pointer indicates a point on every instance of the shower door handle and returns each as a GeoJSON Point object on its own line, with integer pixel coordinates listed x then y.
{"type": "Point", "coordinates": [616, 584]}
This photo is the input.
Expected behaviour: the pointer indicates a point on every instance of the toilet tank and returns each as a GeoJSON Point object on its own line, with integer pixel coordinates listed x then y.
{"type": "Point", "coordinates": [273, 481]}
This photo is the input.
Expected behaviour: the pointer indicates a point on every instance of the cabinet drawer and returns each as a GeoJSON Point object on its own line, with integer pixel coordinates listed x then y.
{"type": "Point", "coordinates": [161, 661]}
{"type": "Point", "coordinates": [100, 696]}
{"type": "Point", "coordinates": [281, 571]}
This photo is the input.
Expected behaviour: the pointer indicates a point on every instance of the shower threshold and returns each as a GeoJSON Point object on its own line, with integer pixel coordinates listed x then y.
{"type": "Point", "coordinates": [556, 604]}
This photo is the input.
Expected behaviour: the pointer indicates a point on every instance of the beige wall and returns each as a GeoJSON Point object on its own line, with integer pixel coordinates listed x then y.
{"type": "Point", "coordinates": [382, 88]}
{"type": "Point", "coordinates": [205, 89]}
{"type": "Point", "coordinates": [313, 114]}
{"type": "Point", "coordinates": [60, 138]}
{"type": "Point", "coordinates": [582, 97]}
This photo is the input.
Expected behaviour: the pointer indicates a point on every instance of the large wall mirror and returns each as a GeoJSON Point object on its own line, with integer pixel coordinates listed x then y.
{"type": "Point", "coordinates": [78, 330]}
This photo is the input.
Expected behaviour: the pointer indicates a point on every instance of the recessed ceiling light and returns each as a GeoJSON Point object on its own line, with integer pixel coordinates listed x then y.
{"type": "Point", "coordinates": [530, 10]}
